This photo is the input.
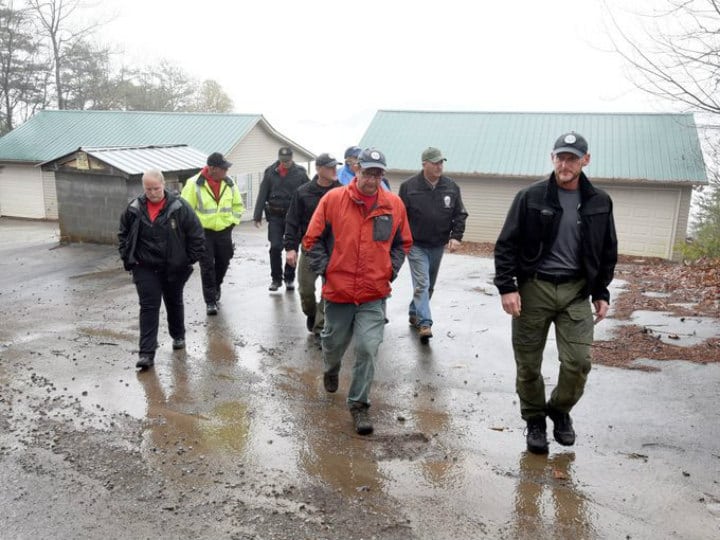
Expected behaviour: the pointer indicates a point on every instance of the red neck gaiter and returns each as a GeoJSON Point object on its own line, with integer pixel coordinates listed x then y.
{"type": "Point", "coordinates": [212, 182]}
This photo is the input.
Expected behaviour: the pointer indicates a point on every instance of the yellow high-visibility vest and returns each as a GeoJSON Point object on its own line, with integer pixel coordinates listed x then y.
{"type": "Point", "coordinates": [214, 215]}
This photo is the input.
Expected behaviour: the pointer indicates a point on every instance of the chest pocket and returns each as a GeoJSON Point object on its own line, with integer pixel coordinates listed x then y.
{"type": "Point", "coordinates": [382, 227]}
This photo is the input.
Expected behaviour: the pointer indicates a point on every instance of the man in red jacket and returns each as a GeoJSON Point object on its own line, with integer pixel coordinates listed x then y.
{"type": "Point", "coordinates": [357, 239]}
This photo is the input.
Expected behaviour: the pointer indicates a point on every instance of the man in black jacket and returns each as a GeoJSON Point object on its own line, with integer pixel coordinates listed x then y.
{"type": "Point", "coordinates": [301, 209]}
{"type": "Point", "coordinates": [279, 183]}
{"type": "Point", "coordinates": [557, 248]}
{"type": "Point", "coordinates": [160, 238]}
{"type": "Point", "coordinates": [437, 218]}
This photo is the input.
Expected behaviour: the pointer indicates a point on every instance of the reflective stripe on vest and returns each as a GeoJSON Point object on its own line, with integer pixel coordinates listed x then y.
{"type": "Point", "coordinates": [224, 209]}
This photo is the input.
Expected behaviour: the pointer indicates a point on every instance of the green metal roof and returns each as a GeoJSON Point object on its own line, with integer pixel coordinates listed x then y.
{"type": "Point", "coordinates": [638, 146]}
{"type": "Point", "coordinates": [50, 134]}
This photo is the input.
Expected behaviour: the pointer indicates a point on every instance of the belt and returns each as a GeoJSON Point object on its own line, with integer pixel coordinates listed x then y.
{"type": "Point", "coordinates": [557, 279]}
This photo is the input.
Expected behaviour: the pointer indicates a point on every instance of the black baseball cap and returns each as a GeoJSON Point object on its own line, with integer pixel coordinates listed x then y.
{"type": "Point", "coordinates": [216, 159]}
{"type": "Point", "coordinates": [326, 160]}
{"type": "Point", "coordinates": [573, 143]}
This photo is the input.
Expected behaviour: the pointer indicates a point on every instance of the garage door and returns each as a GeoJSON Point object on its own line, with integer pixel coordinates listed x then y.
{"type": "Point", "coordinates": [645, 219]}
{"type": "Point", "coordinates": [21, 192]}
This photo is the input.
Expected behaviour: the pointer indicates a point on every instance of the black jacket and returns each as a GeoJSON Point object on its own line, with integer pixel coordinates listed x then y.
{"type": "Point", "coordinates": [276, 192]}
{"type": "Point", "coordinates": [435, 215]}
{"type": "Point", "coordinates": [174, 241]}
{"type": "Point", "coordinates": [531, 228]}
{"type": "Point", "coordinates": [302, 206]}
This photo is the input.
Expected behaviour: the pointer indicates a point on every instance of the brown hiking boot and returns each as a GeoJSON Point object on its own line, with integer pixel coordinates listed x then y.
{"type": "Point", "coordinates": [361, 418]}
{"type": "Point", "coordinates": [425, 333]}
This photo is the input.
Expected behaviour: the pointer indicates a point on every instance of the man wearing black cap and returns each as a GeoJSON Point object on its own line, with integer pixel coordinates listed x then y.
{"type": "Point", "coordinates": [557, 248]}
{"type": "Point", "coordinates": [219, 206]}
{"type": "Point", "coordinates": [301, 209]}
{"type": "Point", "coordinates": [279, 183]}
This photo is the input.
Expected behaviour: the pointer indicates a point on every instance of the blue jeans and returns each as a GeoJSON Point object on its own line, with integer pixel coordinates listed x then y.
{"type": "Point", "coordinates": [365, 322]}
{"type": "Point", "coordinates": [424, 265]}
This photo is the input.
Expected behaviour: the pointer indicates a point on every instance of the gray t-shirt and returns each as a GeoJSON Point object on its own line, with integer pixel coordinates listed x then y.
{"type": "Point", "coordinates": [564, 257]}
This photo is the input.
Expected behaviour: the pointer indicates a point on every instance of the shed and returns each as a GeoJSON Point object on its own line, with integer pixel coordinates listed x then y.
{"type": "Point", "coordinates": [648, 163]}
{"type": "Point", "coordinates": [248, 141]}
{"type": "Point", "coordinates": [94, 185]}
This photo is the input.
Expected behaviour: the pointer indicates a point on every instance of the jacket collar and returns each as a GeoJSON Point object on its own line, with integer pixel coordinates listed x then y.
{"type": "Point", "coordinates": [586, 188]}
{"type": "Point", "coordinates": [382, 195]}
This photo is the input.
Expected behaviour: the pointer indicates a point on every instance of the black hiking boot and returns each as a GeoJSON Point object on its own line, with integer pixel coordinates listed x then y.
{"type": "Point", "coordinates": [145, 361]}
{"type": "Point", "coordinates": [562, 427]}
{"type": "Point", "coordinates": [536, 436]}
{"type": "Point", "coordinates": [331, 381]}
{"type": "Point", "coordinates": [310, 323]}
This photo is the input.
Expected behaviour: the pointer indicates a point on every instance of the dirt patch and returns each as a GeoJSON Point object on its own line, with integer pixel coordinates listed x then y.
{"type": "Point", "coordinates": [684, 290]}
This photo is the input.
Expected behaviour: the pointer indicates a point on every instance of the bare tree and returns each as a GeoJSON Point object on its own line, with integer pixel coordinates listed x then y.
{"type": "Point", "coordinates": [21, 71]}
{"type": "Point", "coordinates": [678, 56]}
{"type": "Point", "coordinates": [212, 98]}
{"type": "Point", "coordinates": [54, 18]}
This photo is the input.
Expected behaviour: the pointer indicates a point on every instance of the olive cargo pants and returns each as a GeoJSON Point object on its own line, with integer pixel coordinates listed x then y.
{"type": "Point", "coordinates": [563, 304]}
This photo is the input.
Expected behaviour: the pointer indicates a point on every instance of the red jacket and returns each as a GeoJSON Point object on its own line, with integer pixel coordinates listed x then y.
{"type": "Point", "coordinates": [359, 255]}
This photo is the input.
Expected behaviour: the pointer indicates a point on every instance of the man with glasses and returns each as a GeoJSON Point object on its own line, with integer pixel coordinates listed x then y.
{"type": "Point", "coordinates": [437, 218]}
{"type": "Point", "coordinates": [556, 249]}
{"type": "Point", "coordinates": [357, 239]}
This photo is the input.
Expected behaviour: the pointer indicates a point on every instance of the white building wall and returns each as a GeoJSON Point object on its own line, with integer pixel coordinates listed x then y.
{"type": "Point", "coordinates": [21, 192]}
{"type": "Point", "coordinates": [250, 158]}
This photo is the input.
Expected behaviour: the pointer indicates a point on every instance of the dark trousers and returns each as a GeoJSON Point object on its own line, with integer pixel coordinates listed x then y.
{"type": "Point", "coordinates": [276, 230]}
{"type": "Point", "coordinates": [219, 249]}
{"type": "Point", "coordinates": [154, 286]}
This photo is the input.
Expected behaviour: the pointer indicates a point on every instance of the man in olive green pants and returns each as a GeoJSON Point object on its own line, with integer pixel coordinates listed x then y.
{"type": "Point", "coordinates": [557, 248]}
{"type": "Point", "coordinates": [542, 303]}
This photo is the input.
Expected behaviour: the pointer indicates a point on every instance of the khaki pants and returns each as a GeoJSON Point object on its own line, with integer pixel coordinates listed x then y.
{"type": "Point", "coordinates": [544, 303]}
{"type": "Point", "coordinates": [306, 287]}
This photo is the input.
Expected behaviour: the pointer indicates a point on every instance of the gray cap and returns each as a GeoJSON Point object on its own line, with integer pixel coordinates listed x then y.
{"type": "Point", "coordinates": [372, 158]}
{"type": "Point", "coordinates": [433, 155]}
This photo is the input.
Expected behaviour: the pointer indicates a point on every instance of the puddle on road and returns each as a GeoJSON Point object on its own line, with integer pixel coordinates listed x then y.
{"type": "Point", "coordinates": [547, 503]}
{"type": "Point", "coordinates": [686, 331]}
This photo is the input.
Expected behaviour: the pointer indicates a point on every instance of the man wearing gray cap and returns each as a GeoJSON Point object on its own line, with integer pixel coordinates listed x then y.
{"type": "Point", "coordinates": [357, 240]}
{"type": "Point", "coordinates": [437, 219]}
{"type": "Point", "coordinates": [557, 248]}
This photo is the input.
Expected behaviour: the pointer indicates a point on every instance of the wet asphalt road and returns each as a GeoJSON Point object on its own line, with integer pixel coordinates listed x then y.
{"type": "Point", "coordinates": [236, 438]}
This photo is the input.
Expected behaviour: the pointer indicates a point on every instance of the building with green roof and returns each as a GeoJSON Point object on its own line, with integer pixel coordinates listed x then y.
{"type": "Point", "coordinates": [248, 141]}
{"type": "Point", "coordinates": [648, 163]}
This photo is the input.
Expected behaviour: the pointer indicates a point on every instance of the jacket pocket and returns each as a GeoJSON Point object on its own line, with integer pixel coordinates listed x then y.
{"type": "Point", "coordinates": [382, 228]}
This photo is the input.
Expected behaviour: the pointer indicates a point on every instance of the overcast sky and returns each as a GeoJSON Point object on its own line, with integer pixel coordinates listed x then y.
{"type": "Point", "coordinates": [319, 69]}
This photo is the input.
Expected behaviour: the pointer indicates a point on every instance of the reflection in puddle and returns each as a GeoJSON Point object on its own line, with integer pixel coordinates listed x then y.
{"type": "Point", "coordinates": [224, 428]}
{"type": "Point", "coordinates": [548, 504]}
